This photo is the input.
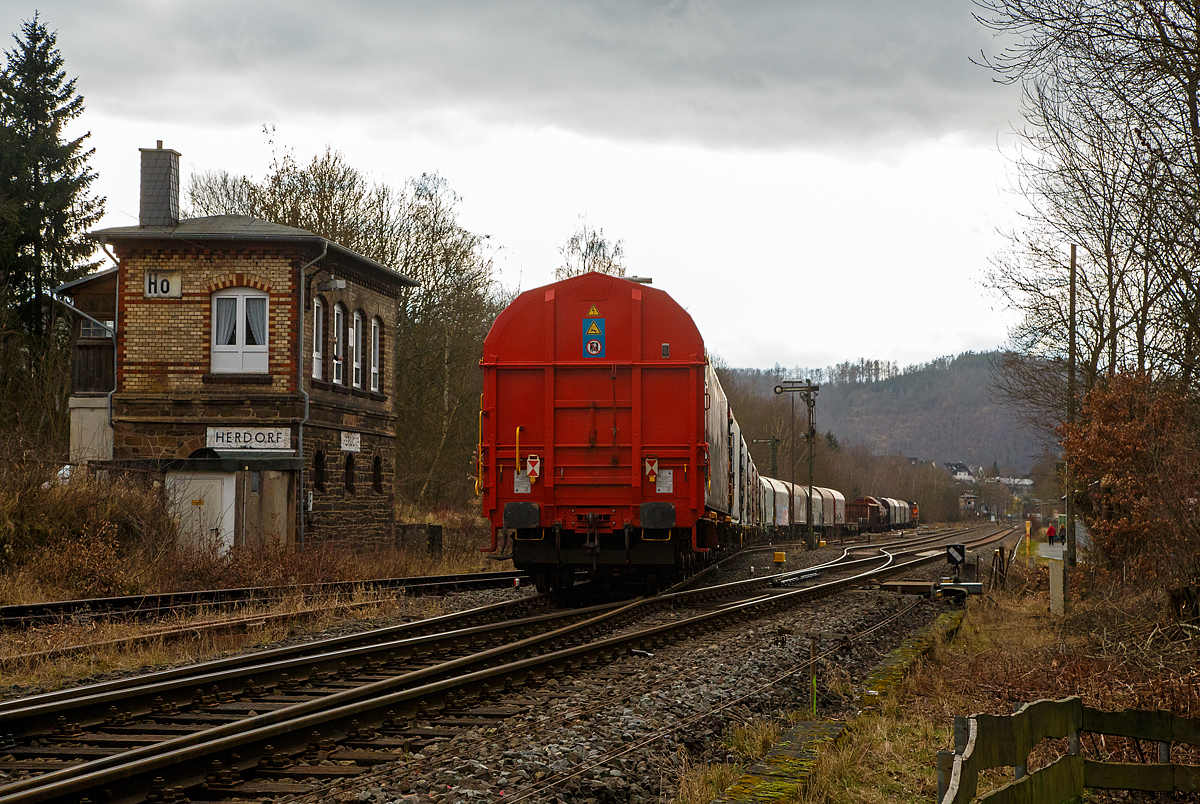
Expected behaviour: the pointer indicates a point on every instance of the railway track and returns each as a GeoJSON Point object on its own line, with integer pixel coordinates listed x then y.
{"type": "Point", "coordinates": [26, 615]}
{"type": "Point", "coordinates": [271, 725]}
{"type": "Point", "coordinates": [895, 541]}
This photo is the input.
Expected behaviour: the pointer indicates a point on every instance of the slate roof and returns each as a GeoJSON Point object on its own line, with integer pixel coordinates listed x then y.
{"type": "Point", "coordinates": [69, 288]}
{"type": "Point", "coordinates": [239, 227]}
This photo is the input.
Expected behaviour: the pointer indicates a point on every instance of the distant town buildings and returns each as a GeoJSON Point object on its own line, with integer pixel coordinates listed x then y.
{"type": "Point", "coordinates": [961, 472]}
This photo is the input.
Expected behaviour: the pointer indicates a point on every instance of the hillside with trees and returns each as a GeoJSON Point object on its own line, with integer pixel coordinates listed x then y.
{"type": "Point", "coordinates": [941, 411]}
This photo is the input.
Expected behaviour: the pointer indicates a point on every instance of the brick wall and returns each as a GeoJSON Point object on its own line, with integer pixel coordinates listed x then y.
{"type": "Point", "coordinates": [167, 395]}
{"type": "Point", "coordinates": [372, 301]}
{"type": "Point", "coordinates": [166, 343]}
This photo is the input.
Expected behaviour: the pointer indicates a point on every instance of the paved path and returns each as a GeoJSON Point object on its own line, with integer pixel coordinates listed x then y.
{"type": "Point", "coordinates": [1051, 550]}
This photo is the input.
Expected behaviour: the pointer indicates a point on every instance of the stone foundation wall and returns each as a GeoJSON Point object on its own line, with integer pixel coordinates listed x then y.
{"type": "Point", "coordinates": [362, 512]}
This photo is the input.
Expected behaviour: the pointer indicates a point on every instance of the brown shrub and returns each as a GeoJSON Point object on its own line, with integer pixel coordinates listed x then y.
{"type": "Point", "coordinates": [106, 534]}
{"type": "Point", "coordinates": [71, 537]}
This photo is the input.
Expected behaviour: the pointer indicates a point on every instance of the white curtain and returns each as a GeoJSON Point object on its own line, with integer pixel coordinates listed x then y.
{"type": "Point", "coordinates": [256, 322]}
{"type": "Point", "coordinates": [226, 321]}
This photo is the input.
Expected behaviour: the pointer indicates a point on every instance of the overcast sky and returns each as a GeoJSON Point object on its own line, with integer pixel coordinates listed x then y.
{"type": "Point", "coordinates": [813, 181]}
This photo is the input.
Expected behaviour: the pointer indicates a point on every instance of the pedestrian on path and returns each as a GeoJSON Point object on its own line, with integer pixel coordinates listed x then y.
{"type": "Point", "coordinates": [1050, 534]}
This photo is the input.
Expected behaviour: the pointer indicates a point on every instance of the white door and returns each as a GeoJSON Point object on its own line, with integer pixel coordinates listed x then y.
{"type": "Point", "coordinates": [203, 502]}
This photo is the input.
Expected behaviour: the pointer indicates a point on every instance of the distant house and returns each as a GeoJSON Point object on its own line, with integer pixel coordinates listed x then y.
{"type": "Point", "coordinates": [970, 505]}
{"type": "Point", "coordinates": [961, 472]}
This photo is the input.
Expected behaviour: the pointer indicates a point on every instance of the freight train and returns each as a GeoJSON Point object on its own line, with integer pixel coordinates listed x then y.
{"type": "Point", "coordinates": [606, 442]}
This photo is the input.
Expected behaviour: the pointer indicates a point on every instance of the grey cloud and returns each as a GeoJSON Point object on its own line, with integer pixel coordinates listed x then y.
{"type": "Point", "coordinates": [745, 74]}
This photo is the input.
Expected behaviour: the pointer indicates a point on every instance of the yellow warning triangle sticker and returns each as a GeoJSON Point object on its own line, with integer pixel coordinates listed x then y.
{"type": "Point", "coordinates": [593, 311]}
{"type": "Point", "coordinates": [593, 329]}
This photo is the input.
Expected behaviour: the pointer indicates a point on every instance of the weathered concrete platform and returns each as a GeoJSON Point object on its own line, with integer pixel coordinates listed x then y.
{"type": "Point", "coordinates": [787, 769]}
{"type": "Point", "coordinates": [922, 588]}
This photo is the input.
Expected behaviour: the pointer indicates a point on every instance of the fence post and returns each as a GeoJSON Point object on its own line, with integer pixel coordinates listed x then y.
{"type": "Point", "coordinates": [1058, 587]}
{"type": "Point", "coordinates": [1019, 771]}
{"type": "Point", "coordinates": [1164, 752]}
{"type": "Point", "coordinates": [945, 767]}
{"type": "Point", "coordinates": [960, 733]}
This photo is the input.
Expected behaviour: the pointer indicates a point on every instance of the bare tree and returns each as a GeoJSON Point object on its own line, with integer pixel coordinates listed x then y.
{"type": "Point", "coordinates": [1110, 161]}
{"type": "Point", "coordinates": [440, 325]}
{"type": "Point", "coordinates": [441, 331]}
{"type": "Point", "coordinates": [588, 250]}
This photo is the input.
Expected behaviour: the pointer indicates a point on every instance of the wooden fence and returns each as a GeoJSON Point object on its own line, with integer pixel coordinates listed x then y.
{"type": "Point", "coordinates": [993, 741]}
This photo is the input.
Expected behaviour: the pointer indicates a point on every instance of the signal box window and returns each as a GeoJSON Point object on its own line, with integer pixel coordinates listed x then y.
{"type": "Point", "coordinates": [318, 336]}
{"type": "Point", "coordinates": [356, 349]}
{"type": "Point", "coordinates": [90, 329]}
{"type": "Point", "coordinates": [376, 337]}
{"type": "Point", "coordinates": [239, 333]}
{"type": "Point", "coordinates": [339, 343]}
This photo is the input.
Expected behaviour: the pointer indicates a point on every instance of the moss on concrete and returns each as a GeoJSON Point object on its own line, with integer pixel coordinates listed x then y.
{"type": "Point", "coordinates": [785, 771]}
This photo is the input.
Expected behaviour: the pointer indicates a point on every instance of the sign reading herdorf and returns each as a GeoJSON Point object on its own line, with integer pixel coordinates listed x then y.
{"type": "Point", "coordinates": [270, 438]}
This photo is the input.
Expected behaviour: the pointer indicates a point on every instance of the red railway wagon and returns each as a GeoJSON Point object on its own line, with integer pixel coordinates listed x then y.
{"type": "Point", "coordinates": [593, 450]}
{"type": "Point", "coordinates": [867, 512]}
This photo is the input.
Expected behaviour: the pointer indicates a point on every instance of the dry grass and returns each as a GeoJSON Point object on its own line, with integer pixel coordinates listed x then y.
{"type": "Point", "coordinates": [117, 646]}
{"type": "Point", "coordinates": [700, 784]}
{"type": "Point", "coordinates": [749, 742]}
{"type": "Point", "coordinates": [96, 536]}
{"type": "Point", "coordinates": [1116, 649]}
{"type": "Point", "coordinates": [102, 537]}
{"type": "Point", "coordinates": [752, 741]}
{"type": "Point", "coordinates": [75, 537]}
{"type": "Point", "coordinates": [885, 759]}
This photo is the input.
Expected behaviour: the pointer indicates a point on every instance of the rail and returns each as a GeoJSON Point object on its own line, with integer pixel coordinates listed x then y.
{"type": "Point", "coordinates": [389, 701]}
{"type": "Point", "coordinates": [983, 741]}
{"type": "Point", "coordinates": [22, 615]}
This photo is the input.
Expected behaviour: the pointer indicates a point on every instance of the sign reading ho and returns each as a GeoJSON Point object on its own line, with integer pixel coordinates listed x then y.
{"type": "Point", "coordinates": [351, 442]}
{"type": "Point", "coordinates": [163, 285]}
{"type": "Point", "coordinates": [270, 438]}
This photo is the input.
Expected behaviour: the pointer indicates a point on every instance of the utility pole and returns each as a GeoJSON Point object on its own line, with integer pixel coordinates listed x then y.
{"type": "Point", "coordinates": [810, 399]}
{"type": "Point", "coordinates": [774, 442]}
{"type": "Point", "coordinates": [809, 390]}
{"type": "Point", "coordinates": [1069, 472]}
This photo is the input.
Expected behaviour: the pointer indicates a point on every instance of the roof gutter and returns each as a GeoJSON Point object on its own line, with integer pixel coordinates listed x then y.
{"type": "Point", "coordinates": [116, 321]}
{"type": "Point", "coordinates": [112, 236]}
{"type": "Point", "coordinates": [303, 311]}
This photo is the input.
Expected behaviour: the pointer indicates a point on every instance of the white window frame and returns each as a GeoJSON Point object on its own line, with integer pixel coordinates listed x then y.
{"type": "Point", "coordinates": [318, 336]}
{"type": "Point", "coordinates": [239, 357]}
{"type": "Point", "coordinates": [376, 335]}
{"type": "Point", "coordinates": [356, 342]}
{"type": "Point", "coordinates": [339, 343]}
{"type": "Point", "coordinates": [91, 330]}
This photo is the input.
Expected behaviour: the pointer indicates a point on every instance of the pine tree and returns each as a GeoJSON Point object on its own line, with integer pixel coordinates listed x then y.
{"type": "Point", "coordinates": [45, 203]}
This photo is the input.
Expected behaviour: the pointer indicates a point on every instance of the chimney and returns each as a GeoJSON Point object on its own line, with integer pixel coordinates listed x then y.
{"type": "Point", "coordinates": [160, 187]}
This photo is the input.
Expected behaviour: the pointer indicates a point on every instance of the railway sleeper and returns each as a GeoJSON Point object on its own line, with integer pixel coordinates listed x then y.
{"type": "Point", "coordinates": [161, 793]}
